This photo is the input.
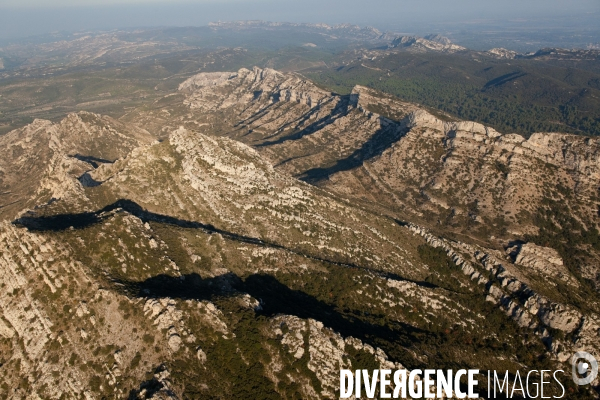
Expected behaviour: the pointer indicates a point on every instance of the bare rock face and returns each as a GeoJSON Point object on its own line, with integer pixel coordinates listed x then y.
{"type": "Point", "coordinates": [293, 123]}
{"type": "Point", "coordinates": [221, 90]}
{"type": "Point", "coordinates": [36, 268]}
{"type": "Point", "coordinates": [438, 39]}
{"type": "Point", "coordinates": [229, 185]}
{"type": "Point", "coordinates": [464, 170]}
{"type": "Point", "coordinates": [167, 202]}
{"type": "Point", "coordinates": [544, 259]}
{"type": "Point", "coordinates": [429, 43]}
{"type": "Point", "coordinates": [169, 269]}
{"type": "Point", "coordinates": [51, 158]}
{"type": "Point", "coordinates": [327, 350]}
{"type": "Point", "coordinates": [499, 52]}
{"type": "Point", "coordinates": [518, 299]}
{"type": "Point", "coordinates": [400, 157]}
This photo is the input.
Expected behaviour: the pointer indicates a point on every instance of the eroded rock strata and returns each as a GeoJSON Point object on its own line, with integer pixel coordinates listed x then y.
{"type": "Point", "coordinates": [262, 235]}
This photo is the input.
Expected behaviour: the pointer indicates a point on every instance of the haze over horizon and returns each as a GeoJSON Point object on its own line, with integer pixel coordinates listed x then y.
{"type": "Point", "coordinates": [35, 17]}
{"type": "Point", "coordinates": [252, 208]}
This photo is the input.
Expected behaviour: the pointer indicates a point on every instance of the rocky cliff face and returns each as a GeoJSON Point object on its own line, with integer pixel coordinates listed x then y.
{"type": "Point", "coordinates": [499, 52]}
{"type": "Point", "coordinates": [39, 160]}
{"type": "Point", "coordinates": [492, 187]}
{"type": "Point", "coordinates": [191, 266]}
{"type": "Point", "coordinates": [454, 176]}
{"type": "Point", "coordinates": [98, 296]}
{"type": "Point", "coordinates": [460, 175]}
{"type": "Point", "coordinates": [428, 43]}
{"type": "Point", "coordinates": [296, 125]}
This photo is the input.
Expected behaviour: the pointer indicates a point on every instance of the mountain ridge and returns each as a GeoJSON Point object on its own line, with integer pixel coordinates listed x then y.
{"type": "Point", "coordinates": [191, 260]}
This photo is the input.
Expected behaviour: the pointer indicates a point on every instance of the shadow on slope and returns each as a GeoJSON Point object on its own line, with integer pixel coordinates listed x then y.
{"type": "Point", "coordinates": [62, 222]}
{"type": "Point", "coordinates": [93, 161]}
{"type": "Point", "coordinates": [394, 337]}
{"type": "Point", "coordinates": [381, 140]}
{"type": "Point", "coordinates": [398, 339]}
{"type": "Point", "coordinates": [501, 80]}
{"type": "Point", "coordinates": [277, 298]}
{"type": "Point", "coordinates": [340, 110]}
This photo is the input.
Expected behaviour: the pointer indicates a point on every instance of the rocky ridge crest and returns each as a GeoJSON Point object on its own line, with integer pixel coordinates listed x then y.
{"type": "Point", "coordinates": [195, 259]}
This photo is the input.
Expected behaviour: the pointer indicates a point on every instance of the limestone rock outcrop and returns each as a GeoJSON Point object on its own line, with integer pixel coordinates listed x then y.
{"type": "Point", "coordinates": [171, 268]}
{"type": "Point", "coordinates": [428, 43]}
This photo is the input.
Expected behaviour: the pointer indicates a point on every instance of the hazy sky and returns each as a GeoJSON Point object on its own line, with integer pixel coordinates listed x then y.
{"type": "Point", "coordinates": [29, 17]}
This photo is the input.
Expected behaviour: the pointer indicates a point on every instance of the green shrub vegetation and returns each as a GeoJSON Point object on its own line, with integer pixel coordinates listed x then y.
{"type": "Point", "coordinates": [523, 96]}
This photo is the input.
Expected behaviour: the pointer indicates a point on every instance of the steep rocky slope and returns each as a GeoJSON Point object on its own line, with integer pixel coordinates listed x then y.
{"type": "Point", "coordinates": [38, 158]}
{"type": "Point", "coordinates": [199, 266]}
{"type": "Point", "coordinates": [297, 125]}
{"type": "Point", "coordinates": [494, 188]}
{"type": "Point", "coordinates": [454, 176]}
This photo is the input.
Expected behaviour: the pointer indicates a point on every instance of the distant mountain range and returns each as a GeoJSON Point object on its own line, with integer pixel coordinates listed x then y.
{"type": "Point", "coordinates": [89, 48]}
